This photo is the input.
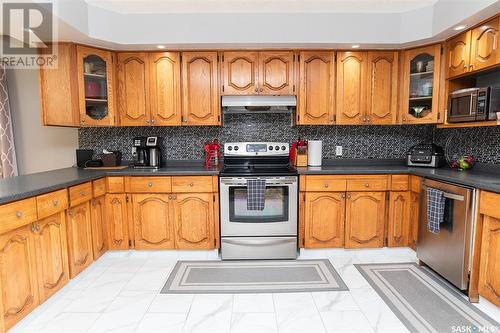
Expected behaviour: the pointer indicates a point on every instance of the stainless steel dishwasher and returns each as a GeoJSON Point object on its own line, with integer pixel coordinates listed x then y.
{"type": "Point", "coordinates": [449, 252]}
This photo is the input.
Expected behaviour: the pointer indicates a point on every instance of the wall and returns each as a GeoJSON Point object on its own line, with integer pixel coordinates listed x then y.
{"type": "Point", "coordinates": [187, 142]}
{"type": "Point", "coordinates": [38, 148]}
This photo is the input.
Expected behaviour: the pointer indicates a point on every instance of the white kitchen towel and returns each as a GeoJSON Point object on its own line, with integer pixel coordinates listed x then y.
{"type": "Point", "coordinates": [256, 194]}
{"type": "Point", "coordinates": [435, 209]}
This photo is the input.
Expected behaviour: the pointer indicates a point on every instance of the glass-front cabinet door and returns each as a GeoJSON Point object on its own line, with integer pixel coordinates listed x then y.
{"type": "Point", "coordinates": [421, 85]}
{"type": "Point", "coordinates": [95, 84]}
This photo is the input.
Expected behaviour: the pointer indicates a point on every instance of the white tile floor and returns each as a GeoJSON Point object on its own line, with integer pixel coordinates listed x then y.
{"type": "Point", "coordinates": [120, 293]}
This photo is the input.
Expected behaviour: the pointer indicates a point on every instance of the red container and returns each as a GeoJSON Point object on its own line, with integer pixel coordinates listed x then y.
{"type": "Point", "coordinates": [92, 89]}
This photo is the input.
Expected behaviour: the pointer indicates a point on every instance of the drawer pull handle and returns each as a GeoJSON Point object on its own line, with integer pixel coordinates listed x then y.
{"type": "Point", "coordinates": [150, 184]}
{"type": "Point", "coordinates": [55, 203]}
{"type": "Point", "coordinates": [82, 193]}
{"type": "Point", "coordinates": [191, 184]}
{"type": "Point", "coordinates": [19, 214]}
{"type": "Point", "coordinates": [367, 185]}
{"type": "Point", "coordinates": [326, 185]}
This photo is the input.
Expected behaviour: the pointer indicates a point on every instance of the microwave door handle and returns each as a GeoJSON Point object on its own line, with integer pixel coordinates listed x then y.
{"type": "Point", "coordinates": [473, 104]}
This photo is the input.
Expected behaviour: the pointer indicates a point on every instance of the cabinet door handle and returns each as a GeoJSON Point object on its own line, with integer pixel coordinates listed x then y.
{"type": "Point", "coordinates": [55, 203]}
{"type": "Point", "coordinates": [147, 121]}
{"type": "Point", "coordinates": [170, 197]}
{"type": "Point", "coordinates": [152, 121]}
{"type": "Point", "coordinates": [261, 89]}
{"type": "Point", "coordinates": [348, 196]}
{"type": "Point", "coordinates": [343, 196]}
{"type": "Point", "coordinates": [33, 228]}
{"type": "Point", "coordinates": [19, 214]}
{"type": "Point", "coordinates": [326, 185]}
{"type": "Point", "coordinates": [174, 196]}
{"type": "Point", "coordinates": [256, 89]}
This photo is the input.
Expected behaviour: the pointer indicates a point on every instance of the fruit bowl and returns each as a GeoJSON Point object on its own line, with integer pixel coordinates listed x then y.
{"type": "Point", "coordinates": [463, 163]}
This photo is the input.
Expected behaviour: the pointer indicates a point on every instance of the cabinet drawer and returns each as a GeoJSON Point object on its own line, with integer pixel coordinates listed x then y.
{"type": "Point", "coordinates": [16, 214]}
{"type": "Point", "coordinates": [488, 204]}
{"type": "Point", "coordinates": [149, 184]}
{"type": "Point", "coordinates": [400, 182]}
{"type": "Point", "coordinates": [198, 184]}
{"type": "Point", "coordinates": [367, 184]}
{"type": "Point", "coordinates": [99, 187]}
{"type": "Point", "coordinates": [115, 184]}
{"type": "Point", "coordinates": [51, 203]}
{"type": "Point", "coordinates": [325, 183]}
{"type": "Point", "coordinates": [80, 193]}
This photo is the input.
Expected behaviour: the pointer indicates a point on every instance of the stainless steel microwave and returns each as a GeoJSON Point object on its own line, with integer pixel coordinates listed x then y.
{"type": "Point", "coordinates": [473, 104]}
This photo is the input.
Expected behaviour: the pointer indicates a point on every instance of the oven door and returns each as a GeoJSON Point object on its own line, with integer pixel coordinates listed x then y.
{"type": "Point", "coordinates": [278, 218]}
{"type": "Point", "coordinates": [462, 106]}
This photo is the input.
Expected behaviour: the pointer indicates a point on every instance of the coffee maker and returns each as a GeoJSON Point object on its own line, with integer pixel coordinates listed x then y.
{"type": "Point", "coordinates": [146, 152]}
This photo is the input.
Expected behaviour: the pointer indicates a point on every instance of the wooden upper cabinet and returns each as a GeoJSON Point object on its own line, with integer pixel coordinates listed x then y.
{"type": "Point", "coordinates": [79, 229]}
{"type": "Point", "coordinates": [18, 275]}
{"type": "Point", "coordinates": [200, 89]}
{"type": "Point", "coordinates": [316, 98]}
{"type": "Point", "coordinates": [133, 89]}
{"type": "Point", "coordinates": [165, 88]}
{"type": "Point", "coordinates": [276, 73]}
{"type": "Point", "coordinates": [258, 73]}
{"type": "Point", "coordinates": [484, 45]}
{"type": "Point", "coordinates": [458, 51]}
{"type": "Point", "coordinates": [117, 221]}
{"type": "Point", "coordinates": [98, 220]}
{"type": "Point", "coordinates": [351, 87]}
{"type": "Point", "coordinates": [489, 283]}
{"type": "Point", "coordinates": [51, 254]}
{"type": "Point", "coordinates": [382, 87]}
{"type": "Point", "coordinates": [194, 221]}
{"type": "Point", "coordinates": [398, 229]}
{"type": "Point", "coordinates": [96, 86]}
{"type": "Point", "coordinates": [324, 219]}
{"type": "Point", "coordinates": [59, 89]}
{"type": "Point", "coordinates": [365, 218]}
{"type": "Point", "coordinates": [240, 73]}
{"type": "Point", "coordinates": [421, 70]}
{"type": "Point", "coordinates": [153, 227]}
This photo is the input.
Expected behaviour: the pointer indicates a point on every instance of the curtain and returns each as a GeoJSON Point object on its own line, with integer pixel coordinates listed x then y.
{"type": "Point", "coordinates": [8, 162]}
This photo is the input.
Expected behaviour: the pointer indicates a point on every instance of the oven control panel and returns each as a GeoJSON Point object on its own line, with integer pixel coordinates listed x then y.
{"type": "Point", "coordinates": [256, 149]}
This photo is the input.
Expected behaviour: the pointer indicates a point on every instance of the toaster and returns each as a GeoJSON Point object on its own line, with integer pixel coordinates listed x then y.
{"type": "Point", "coordinates": [425, 155]}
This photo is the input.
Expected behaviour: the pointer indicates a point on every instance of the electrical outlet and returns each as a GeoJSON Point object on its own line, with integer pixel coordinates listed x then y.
{"type": "Point", "coordinates": [338, 150]}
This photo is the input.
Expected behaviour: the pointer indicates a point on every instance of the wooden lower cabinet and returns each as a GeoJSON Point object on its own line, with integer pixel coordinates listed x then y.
{"type": "Point", "coordinates": [414, 219]}
{"type": "Point", "coordinates": [51, 250]}
{"type": "Point", "coordinates": [80, 253]}
{"type": "Point", "coordinates": [117, 221]}
{"type": "Point", "coordinates": [398, 227]}
{"type": "Point", "coordinates": [153, 226]}
{"type": "Point", "coordinates": [18, 274]}
{"type": "Point", "coordinates": [324, 219]}
{"type": "Point", "coordinates": [98, 219]}
{"type": "Point", "coordinates": [194, 220]}
{"type": "Point", "coordinates": [365, 218]}
{"type": "Point", "coordinates": [489, 281]}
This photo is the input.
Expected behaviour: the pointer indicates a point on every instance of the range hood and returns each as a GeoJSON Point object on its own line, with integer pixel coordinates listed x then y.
{"type": "Point", "coordinates": [258, 104]}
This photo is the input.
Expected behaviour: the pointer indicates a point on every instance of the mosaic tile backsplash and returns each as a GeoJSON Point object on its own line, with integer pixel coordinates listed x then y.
{"type": "Point", "coordinates": [181, 143]}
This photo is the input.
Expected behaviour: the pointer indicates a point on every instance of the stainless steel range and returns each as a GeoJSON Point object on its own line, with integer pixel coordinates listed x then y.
{"type": "Point", "coordinates": [268, 233]}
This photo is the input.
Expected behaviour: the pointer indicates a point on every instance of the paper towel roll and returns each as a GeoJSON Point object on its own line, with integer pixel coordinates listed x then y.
{"type": "Point", "coordinates": [314, 152]}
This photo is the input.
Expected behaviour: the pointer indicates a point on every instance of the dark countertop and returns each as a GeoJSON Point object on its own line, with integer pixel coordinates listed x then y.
{"type": "Point", "coordinates": [26, 186]}
{"type": "Point", "coordinates": [486, 177]}
{"type": "Point", "coordinates": [16, 188]}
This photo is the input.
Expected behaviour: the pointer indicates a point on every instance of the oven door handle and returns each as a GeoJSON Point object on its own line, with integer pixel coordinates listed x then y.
{"type": "Point", "coordinates": [256, 242]}
{"type": "Point", "coordinates": [245, 183]}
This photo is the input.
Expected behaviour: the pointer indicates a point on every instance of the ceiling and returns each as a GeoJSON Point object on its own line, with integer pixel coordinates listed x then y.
{"type": "Point", "coordinates": [219, 24]}
{"type": "Point", "coordinates": [259, 6]}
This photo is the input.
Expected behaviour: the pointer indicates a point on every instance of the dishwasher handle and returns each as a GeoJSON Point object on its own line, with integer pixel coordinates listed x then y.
{"type": "Point", "coordinates": [451, 196]}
